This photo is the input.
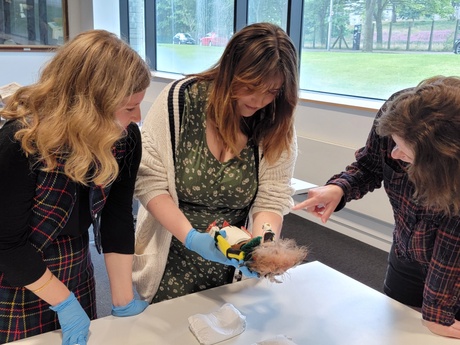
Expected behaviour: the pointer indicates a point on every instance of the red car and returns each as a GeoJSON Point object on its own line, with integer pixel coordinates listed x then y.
{"type": "Point", "coordinates": [212, 39]}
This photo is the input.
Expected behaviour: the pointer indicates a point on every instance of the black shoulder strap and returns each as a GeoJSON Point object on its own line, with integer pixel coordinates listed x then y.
{"type": "Point", "coordinates": [256, 161]}
{"type": "Point", "coordinates": [176, 109]}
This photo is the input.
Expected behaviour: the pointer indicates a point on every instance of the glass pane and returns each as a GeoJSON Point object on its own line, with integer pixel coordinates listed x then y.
{"type": "Point", "coordinates": [191, 35]}
{"type": "Point", "coordinates": [272, 11]}
{"type": "Point", "coordinates": [410, 41]}
{"type": "Point", "coordinates": [31, 23]}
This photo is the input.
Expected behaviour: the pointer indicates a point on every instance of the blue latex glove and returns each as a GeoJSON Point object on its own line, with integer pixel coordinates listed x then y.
{"type": "Point", "coordinates": [134, 307]}
{"type": "Point", "coordinates": [204, 244]}
{"type": "Point", "coordinates": [74, 321]}
{"type": "Point", "coordinates": [247, 272]}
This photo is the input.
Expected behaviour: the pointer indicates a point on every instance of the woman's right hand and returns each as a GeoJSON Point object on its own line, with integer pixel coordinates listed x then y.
{"type": "Point", "coordinates": [452, 331]}
{"type": "Point", "coordinates": [321, 201]}
{"type": "Point", "coordinates": [74, 321]}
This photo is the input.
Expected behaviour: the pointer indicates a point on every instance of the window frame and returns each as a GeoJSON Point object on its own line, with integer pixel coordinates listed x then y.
{"type": "Point", "coordinates": [240, 20]}
{"type": "Point", "coordinates": [293, 29]}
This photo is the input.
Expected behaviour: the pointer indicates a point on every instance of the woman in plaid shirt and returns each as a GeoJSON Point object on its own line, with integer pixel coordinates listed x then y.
{"type": "Point", "coordinates": [69, 157]}
{"type": "Point", "coordinates": [414, 149]}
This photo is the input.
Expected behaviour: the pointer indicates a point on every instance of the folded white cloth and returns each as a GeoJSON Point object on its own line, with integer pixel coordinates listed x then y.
{"type": "Point", "coordinates": [276, 340]}
{"type": "Point", "coordinates": [220, 325]}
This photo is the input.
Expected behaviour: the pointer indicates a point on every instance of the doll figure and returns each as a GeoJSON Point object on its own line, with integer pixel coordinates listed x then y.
{"type": "Point", "coordinates": [262, 254]}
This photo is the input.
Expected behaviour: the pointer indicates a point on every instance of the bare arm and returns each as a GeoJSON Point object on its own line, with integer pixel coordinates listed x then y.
{"type": "Point", "coordinates": [119, 270]}
{"type": "Point", "coordinates": [260, 218]}
{"type": "Point", "coordinates": [73, 320]}
{"type": "Point", "coordinates": [163, 208]}
{"type": "Point", "coordinates": [49, 288]}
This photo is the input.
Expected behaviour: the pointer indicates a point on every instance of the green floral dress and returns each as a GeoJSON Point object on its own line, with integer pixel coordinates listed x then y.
{"type": "Point", "coordinates": [208, 191]}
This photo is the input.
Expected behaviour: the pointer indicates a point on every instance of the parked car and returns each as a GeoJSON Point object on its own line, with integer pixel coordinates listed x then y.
{"type": "Point", "coordinates": [183, 38]}
{"type": "Point", "coordinates": [457, 46]}
{"type": "Point", "coordinates": [212, 39]}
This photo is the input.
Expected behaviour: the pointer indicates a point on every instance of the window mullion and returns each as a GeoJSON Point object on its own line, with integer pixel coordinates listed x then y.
{"type": "Point", "coordinates": [150, 34]}
{"type": "Point", "coordinates": [241, 14]}
{"type": "Point", "coordinates": [294, 24]}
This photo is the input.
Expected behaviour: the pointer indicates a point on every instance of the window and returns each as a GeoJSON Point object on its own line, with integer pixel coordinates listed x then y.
{"type": "Point", "coordinates": [409, 40]}
{"type": "Point", "coordinates": [273, 11]}
{"type": "Point", "coordinates": [190, 36]}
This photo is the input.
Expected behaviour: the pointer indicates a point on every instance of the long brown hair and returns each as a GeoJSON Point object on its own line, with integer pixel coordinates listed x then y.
{"type": "Point", "coordinates": [254, 58]}
{"type": "Point", "coordinates": [427, 118]}
{"type": "Point", "coordinates": [69, 112]}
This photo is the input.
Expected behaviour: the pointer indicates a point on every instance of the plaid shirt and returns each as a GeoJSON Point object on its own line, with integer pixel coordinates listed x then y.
{"type": "Point", "coordinates": [420, 234]}
{"type": "Point", "coordinates": [22, 313]}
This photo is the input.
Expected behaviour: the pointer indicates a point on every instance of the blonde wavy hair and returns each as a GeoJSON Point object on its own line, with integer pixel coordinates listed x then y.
{"type": "Point", "coordinates": [69, 113]}
{"type": "Point", "coordinates": [253, 59]}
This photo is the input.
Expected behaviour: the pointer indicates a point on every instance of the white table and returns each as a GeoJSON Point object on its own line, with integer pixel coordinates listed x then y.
{"type": "Point", "coordinates": [314, 305]}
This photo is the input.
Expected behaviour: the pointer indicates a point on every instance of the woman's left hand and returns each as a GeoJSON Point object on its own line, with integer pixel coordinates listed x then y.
{"type": "Point", "coordinates": [452, 331]}
{"type": "Point", "coordinates": [132, 308]}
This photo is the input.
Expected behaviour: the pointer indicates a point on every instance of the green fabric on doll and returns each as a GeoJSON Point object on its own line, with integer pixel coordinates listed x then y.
{"type": "Point", "coordinates": [248, 247]}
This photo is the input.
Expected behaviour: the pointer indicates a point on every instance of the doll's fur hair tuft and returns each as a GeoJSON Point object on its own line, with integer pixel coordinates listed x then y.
{"type": "Point", "coordinates": [271, 259]}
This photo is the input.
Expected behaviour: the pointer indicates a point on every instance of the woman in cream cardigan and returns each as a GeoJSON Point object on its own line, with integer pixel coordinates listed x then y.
{"type": "Point", "coordinates": [219, 145]}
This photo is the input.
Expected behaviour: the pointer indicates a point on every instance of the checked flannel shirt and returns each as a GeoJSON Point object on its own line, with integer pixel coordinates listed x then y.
{"type": "Point", "coordinates": [419, 234]}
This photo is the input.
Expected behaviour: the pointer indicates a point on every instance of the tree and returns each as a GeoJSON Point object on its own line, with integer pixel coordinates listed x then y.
{"type": "Point", "coordinates": [273, 11]}
{"type": "Point", "coordinates": [380, 6]}
{"type": "Point", "coordinates": [417, 9]}
{"type": "Point", "coordinates": [195, 17]}
{"type": "Point", "coordinates": [316, 20]}
{"type": "Point", "coordinates": [368, 26]}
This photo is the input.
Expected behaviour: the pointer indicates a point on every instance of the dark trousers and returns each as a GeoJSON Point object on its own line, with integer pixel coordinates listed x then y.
{"type": "Point", "coordinates": [405, 281]}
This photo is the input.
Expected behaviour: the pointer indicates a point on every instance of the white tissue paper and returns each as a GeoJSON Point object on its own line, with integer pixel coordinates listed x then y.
{"type": "Point", "coordinates": [276, 340]}
{"type": "Point", "coordinates": [220, 325]}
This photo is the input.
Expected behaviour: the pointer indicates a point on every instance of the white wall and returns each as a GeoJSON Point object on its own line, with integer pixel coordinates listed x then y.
{"type": "Point", "coordinates": [328, 136]}
{"type": "Point", "coordinates": [21, 67]}
{"type": "Point", "coordinates": [81, 17]}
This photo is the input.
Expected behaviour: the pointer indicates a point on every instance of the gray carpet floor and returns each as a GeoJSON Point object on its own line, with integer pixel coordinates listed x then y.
{"type": "Point", "coordinates": [355, 259]}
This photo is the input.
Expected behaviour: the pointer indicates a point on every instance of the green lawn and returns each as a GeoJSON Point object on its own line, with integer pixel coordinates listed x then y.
{"type": "Point", "coordinates": [185, 59]}
{"type": "Point", "coordinates": [372, 75]}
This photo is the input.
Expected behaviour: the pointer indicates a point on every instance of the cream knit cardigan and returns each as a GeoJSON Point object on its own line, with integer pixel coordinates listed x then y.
{"type": "Point", "coordinates": [156, 177]}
